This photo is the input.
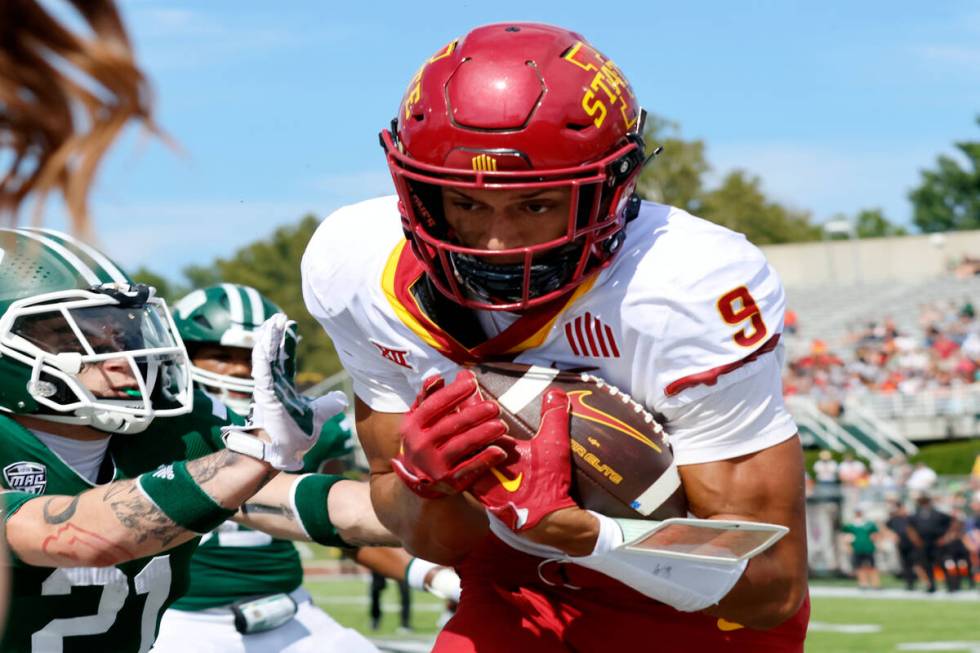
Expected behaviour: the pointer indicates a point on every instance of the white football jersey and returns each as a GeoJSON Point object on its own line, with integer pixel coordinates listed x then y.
{"type": "Point", "coordinates": [686, 319]}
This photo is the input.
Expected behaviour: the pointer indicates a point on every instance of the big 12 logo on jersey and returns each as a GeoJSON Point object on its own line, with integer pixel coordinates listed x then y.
{"type": "Point", "coordinates": [26, 476]}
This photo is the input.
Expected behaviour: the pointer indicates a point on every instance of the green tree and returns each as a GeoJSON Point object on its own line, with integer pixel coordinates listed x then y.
{"type": "Point", "coordinates": [949, 196]}
{"type": "Point", "coordinates": [675, 176]}
{"type": "Point", "coordinates": [201, 276]}
{"type": "Point", "coordinates": [165, 288]}
{"type": "Point", "coordinates": [739, 204]}
{"type": "Point", "coordinates": [872, 223]}
{"type": "Point", "coordinates": [271, 265]}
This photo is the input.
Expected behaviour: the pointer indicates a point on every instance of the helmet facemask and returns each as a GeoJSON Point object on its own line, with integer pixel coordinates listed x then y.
{"type": "Point", "coordinates": [108, 357]}
{"type": "Point", "coordinates": [601, 203]}
{"type": "Point", "coordinates": [517, 106]}
{"type": "Point", "coordinates": [233, 391]}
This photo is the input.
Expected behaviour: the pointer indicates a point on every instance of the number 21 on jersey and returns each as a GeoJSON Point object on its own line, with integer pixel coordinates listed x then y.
{"type": "Point", "coordinates": [737, 308]}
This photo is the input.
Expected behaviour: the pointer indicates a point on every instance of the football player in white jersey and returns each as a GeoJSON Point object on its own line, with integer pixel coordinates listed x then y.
{"type": "Point", "coordinates": [516, 234]}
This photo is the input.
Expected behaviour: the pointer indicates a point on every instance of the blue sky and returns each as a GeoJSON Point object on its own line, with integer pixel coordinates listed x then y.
{"type": "Point", "coordinates": [276, 106]}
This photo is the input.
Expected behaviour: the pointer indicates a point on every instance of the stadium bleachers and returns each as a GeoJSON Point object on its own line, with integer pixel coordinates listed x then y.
{"type": "Point", "coordinates": [829, 312]}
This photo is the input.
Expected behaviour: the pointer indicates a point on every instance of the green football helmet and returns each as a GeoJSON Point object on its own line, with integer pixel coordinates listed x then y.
{"type": "Point", "coordinates": [80, 343]}
{"type": "Point", "coordinates": [225, 315]}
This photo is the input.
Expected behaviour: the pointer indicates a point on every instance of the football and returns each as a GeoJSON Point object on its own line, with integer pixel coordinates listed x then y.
{"type": "Point", "coordinates": [623, 463]}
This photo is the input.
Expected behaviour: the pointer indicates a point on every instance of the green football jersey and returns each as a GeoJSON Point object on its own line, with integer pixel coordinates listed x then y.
{"type": "Point", "coordinates": [85, 609]}
{"type": "Point", "coordinates": [235, 562]}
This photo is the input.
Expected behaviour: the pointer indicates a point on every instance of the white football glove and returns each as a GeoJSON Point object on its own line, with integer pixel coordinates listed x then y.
{"type": "Point", "coordinates": [292, 421]}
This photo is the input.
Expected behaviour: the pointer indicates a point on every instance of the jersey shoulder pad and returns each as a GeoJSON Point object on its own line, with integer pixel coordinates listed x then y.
{"type": "Point", "coordinates": [347, 252]}
{"type": "Point", "coordinates": [707, 301]}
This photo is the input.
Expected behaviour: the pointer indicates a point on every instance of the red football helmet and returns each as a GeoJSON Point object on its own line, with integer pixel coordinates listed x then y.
{"type": "Point", "coordinates": [517, 106]}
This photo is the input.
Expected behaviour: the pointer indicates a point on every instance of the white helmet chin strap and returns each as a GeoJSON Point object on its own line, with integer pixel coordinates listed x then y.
{"type": "Point", "coordinates": [103, 420]}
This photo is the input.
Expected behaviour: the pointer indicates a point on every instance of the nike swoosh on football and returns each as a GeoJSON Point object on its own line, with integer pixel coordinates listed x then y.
{"type": "Point", "coordinates": [510, 484]}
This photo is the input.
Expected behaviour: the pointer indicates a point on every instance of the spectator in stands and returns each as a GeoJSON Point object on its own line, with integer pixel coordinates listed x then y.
{"type": "Point", "coordinates": [825, 469]}
{"type": "Point", "coordinates": [927, 527]}
{"type": "Point", "coordinates": [791, 322]}
{"type": "Point", "coordinates": [967, 310]}
{"type": "Point", "coordinates": [851, 471]}
{"type": "Point", "coordinates": [929, 315]}
{"type": "Point", "coordinates": [897, 526]}
{"type": "Point", "coordinates": [882, 478]}
{"type": "Point", "coordinates": [921, 479]}
{"type": "Point", "coordinates": [942, 344]}
{"type": "Point", "coordinates": [900, 469]}
{"type": "Point", "coordinates": [863, 533]}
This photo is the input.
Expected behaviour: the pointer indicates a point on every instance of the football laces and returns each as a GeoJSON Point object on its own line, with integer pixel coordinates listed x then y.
{"type": "Point", "coordinates": [638, 408]}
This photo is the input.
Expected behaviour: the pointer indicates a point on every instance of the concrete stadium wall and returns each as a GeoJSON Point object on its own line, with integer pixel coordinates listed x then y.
{"type": "Point", "coordinates": [872, 260]}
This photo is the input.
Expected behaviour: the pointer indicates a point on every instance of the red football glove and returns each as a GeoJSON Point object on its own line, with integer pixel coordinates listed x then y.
{"type": "Point", "coordinates": [537, 479]}
{"type": "Point", "coordinates": [448, 436]}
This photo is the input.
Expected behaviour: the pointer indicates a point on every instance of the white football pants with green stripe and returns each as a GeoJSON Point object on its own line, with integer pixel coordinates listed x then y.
{"type": "Point", "coordinates": [311, 630]}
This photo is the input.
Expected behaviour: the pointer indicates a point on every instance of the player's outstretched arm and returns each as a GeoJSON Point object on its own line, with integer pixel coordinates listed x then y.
{"type": "Point", "coordinates": [765, 486]}
{"type": "Point", "coordinates": [135, 518]}
{"type": "Point", "coordinates": [320, 508]}
{"type": "Point", "coordinates": [438, 580]}
{"type": "Point", "coordinates": [440, 529]}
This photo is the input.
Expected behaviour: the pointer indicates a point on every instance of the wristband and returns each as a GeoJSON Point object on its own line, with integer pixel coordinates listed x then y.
{"type": "Point", "coordinates": [174, 491]}
{"type": "Point", "coordinates": [416, 571]}
{"type": "Point", "coordinates": [444, 583]}
{"type": "Point", "coordinates": [309, 499]}
{"type": "Point", "coordinates": [610, 533]}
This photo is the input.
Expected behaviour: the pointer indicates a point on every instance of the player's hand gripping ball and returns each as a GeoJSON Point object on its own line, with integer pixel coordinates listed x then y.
{"type": "Point", "coordinates": [539, 471]}
{"type": "Point", "coordinates": [449, 437]}
{"type": "Point", "coordinates": [620, 457]}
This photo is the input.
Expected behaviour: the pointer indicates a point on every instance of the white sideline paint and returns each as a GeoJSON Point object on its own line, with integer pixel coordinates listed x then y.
{"type": "Point", "coordinates": [386, 606]}
{"type": "Point", "coordinates": [851, 629]}
{"type": "Point", "coordinates": [892, 594]}
{"type": "Point", "coordinates": [970, 647]}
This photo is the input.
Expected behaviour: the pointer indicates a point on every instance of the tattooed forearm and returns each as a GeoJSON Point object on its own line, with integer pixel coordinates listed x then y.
{"type": "Point", "coordinates": [139, 515]}
{"type": "Point", "coordinates": [73, 544]}
{"type": "Point", "coordinates": [62, 516]}
{"type": "Point", "coordinates": [204, 469]}
{"type": "Point", "coordinates": [281, 510]}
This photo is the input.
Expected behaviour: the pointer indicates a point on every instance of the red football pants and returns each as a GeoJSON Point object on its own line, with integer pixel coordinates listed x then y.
{"type": "Point", "coordinates": [509, 605]}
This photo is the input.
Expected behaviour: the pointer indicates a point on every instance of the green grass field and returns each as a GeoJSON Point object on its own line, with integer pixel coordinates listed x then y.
{"type": "Point", "coordinates": [864, 624]}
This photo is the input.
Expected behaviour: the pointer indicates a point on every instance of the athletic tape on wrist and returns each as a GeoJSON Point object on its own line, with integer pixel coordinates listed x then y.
{"type": "Point", "coordinates": [309, 498]}
{"type": "Point", "coordinates": [175, 492]}
{"type": "Point", "coordinates": [610, 534]}
{"type": "Point", "coordinates": [416, 572]}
